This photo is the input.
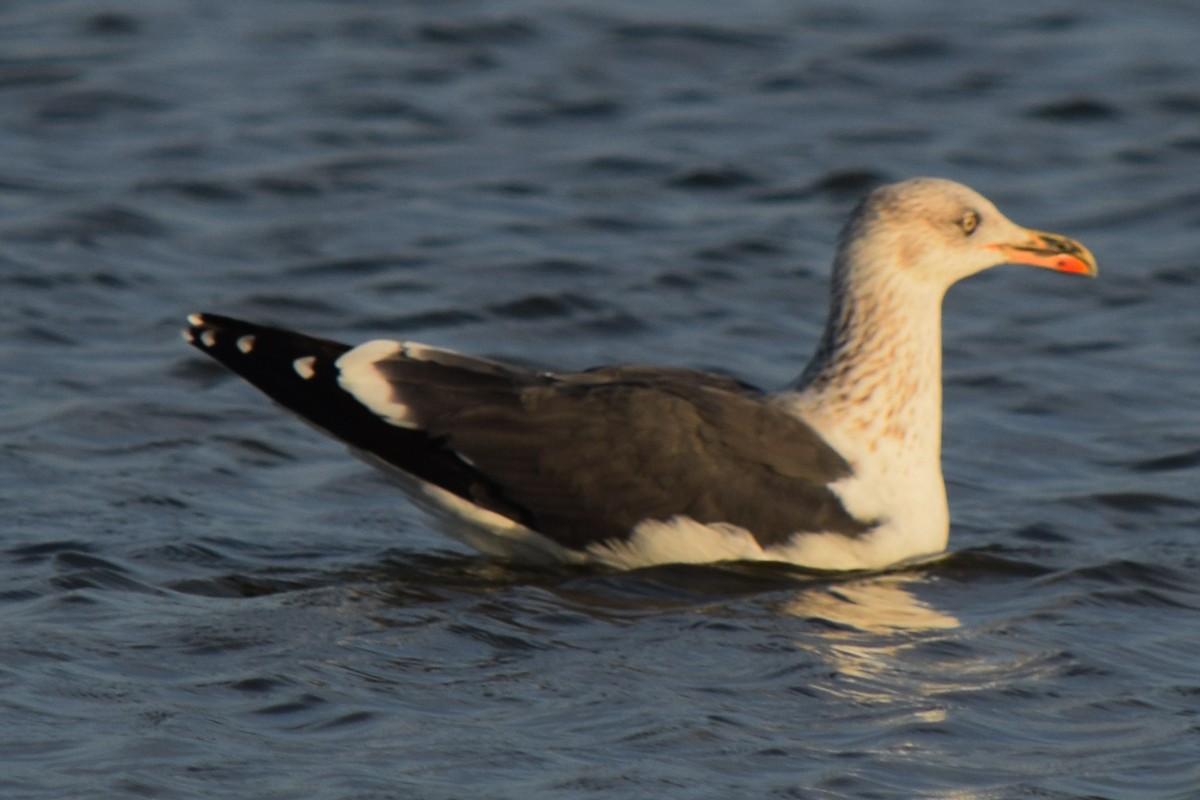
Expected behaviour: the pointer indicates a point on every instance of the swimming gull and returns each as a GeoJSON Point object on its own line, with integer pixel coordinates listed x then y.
{"type": "Point", "coordinates": [628, 466]}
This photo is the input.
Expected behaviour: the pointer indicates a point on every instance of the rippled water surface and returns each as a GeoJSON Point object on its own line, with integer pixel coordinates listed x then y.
{"type": "Point", "coordinates": [203, 598]}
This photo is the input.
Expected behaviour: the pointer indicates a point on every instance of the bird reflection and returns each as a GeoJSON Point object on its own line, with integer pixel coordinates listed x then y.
{"type": "Point", "coordinates": [869, 625]}
{"type": "Point", "coordinates": [875, 604]}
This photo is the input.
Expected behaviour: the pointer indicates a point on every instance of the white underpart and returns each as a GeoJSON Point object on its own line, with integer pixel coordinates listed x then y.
{"type": "Point", "coordinates": [679, 540]}
{"type": "Point", "coordinates": [896, 482]}
{"type": "Point", "coordinates": [682, 540]}
{"type": "Point", "coordinates": [304, 367]}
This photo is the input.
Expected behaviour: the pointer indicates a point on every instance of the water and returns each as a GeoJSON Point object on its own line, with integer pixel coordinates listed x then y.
{"type": "Point", "coordinates": [203, 598]}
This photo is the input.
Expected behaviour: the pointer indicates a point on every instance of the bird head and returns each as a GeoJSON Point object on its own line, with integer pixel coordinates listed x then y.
{"type": "Point", "coordinates": [936, 232]}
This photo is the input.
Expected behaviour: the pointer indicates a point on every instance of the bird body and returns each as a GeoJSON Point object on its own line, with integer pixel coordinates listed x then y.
{"type": "Point", "coordinates": [628, 466]}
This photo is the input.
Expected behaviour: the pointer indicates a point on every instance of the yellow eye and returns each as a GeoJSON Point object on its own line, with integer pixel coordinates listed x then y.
{"type": "Point", "coordinates": [969, 222]}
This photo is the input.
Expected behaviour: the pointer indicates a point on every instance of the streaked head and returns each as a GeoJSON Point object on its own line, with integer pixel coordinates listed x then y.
{"type": "Point", "coordinates": [938, 232]}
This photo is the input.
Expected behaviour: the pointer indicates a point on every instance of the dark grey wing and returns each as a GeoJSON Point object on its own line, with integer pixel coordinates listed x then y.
{"type": "Point", "coordinates": [580, 458]}
{"type": "Point", "coordinates": [587, 456]}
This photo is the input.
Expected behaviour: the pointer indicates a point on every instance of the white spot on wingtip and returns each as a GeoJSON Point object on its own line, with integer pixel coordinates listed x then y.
{"type": "Point", "coordinates": [208, 338]}
{"type": "Point", "coordinates": [304, 367]}
{"type": "Point", "coordinates": [188, 335]}
{"type": "Point", "coordinates": [246, 343]}
{"type": "Point", "coordinates": [195, 319]}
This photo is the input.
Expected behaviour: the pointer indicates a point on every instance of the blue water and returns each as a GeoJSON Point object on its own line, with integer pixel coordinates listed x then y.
{"type": "Point", "coordinates": [201, 597]}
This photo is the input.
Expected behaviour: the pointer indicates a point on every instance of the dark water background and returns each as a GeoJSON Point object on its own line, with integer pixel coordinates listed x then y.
{"type": "Point", "coordinates": [200, 597]}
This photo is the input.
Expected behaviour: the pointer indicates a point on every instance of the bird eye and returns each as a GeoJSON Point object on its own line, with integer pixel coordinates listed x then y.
{"type": "Point", "coordinates": [969, 222]}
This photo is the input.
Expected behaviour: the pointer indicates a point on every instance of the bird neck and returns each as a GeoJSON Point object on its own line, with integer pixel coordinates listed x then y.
{"type": "Point", "coordinates": [876, 375]}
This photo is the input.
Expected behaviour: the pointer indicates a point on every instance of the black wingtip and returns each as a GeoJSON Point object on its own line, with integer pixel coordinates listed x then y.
{"type": "Point", "coordinates": [301, 373]}
{"type": "Point", "coordinates": [258, 351]}
{"type": "Point", "coordinates": [208, 331]}
{"type": "Point", "coordinates": [195, 325]}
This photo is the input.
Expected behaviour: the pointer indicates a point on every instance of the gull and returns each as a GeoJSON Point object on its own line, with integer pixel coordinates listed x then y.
{"type": "Point", "coordinates": [628, 466]}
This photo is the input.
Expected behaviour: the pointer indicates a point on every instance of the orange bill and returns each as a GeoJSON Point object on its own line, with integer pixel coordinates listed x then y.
{"type": "Point", "coordinates": [1052, 251]}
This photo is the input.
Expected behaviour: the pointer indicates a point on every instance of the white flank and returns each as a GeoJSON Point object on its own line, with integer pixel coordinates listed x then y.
{"type": "Point", "coordinates": [683, 540]}
{"type": "Point", "coordinates": [679, 540]}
